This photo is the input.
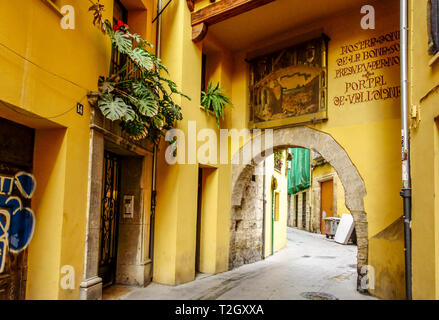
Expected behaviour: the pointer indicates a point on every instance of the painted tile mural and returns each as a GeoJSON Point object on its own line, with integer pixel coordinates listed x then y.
{"type": "Point", "coordinates": [289, 85]}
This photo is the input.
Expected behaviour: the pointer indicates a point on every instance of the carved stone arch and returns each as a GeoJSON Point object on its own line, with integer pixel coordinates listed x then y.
{"type": "Point", "coordinates": [333, 152]}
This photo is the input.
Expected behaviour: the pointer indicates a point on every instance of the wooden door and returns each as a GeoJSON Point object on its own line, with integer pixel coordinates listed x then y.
{"type": "Point", "coordinates": [326, 207]}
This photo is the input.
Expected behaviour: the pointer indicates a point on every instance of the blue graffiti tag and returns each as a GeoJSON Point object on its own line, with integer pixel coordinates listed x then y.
{"type": "Point", "coordinates": [17, 224]}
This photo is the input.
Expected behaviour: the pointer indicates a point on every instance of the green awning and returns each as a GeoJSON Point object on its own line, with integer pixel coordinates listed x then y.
{"type": "Point", "coordinates": [299, 170]}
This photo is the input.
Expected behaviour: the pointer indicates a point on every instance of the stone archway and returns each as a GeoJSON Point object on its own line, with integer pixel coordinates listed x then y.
{"type": "Point", "coordinates": [326, 145]}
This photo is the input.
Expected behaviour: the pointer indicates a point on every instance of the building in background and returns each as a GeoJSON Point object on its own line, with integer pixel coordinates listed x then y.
{"type": "Point", "coordinates": [315, 191]}
{"type": "Point", "coordinates": [84, 168]}
{"type": "Point", "coordinates": [299, 182]}
{"type": "Point", "coordinates": [424, 111]}
{"type": "Point", "coordinates": [328, 198]}
{"type": "Point", "coordinates": [255, 67]}
{"type": "Point", "coordinates": [258, 228]}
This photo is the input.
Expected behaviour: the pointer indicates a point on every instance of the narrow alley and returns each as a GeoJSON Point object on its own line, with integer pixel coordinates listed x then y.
{"type": "Point", "coordinates": [309, 264]}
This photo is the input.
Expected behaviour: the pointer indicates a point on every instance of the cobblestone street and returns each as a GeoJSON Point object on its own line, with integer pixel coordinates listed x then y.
{"type": "Point", "coordinates": [309, 263]}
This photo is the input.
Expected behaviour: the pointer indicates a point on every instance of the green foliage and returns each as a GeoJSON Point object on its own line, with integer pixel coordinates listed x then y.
{"type": "Point", "coordinates": [278, 159]}
{"type": "Point", "coordinates": [138, 94]}
{"type": "Point", "coordinates": [215, 100]}
{"type": "Point", "coordinates": [115, 108]}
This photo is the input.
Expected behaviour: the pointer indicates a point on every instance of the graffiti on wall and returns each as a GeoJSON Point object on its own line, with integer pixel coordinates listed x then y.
{"type": "Point", "coordinates": [289, 86]}
{"type": "Point", "coordinates": [17, 223]}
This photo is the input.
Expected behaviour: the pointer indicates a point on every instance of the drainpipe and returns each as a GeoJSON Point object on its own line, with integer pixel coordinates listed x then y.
{"type": "Point", "coordinates": [263, 215]}
{"type": "Point", "coordinates": [406, 191]}
{"type": "Point", "coordinates": [154, 156]}
{"type": "Point", "coordinates": [272, 222]}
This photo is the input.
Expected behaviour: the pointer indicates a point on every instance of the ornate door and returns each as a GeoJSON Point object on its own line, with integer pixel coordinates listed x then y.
{"type": "Point", "coordinates": [109, 219]}
{"type": "Point", "coordinates": [16, 155]}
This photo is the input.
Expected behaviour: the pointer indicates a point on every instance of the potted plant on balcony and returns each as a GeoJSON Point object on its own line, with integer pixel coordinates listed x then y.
{"type": "Point", "coordinates": [139, 94]}
{"type": "Point", "coordinates": [215, 100]}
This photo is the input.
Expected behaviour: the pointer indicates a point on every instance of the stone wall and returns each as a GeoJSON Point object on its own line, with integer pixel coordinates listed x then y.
{"type": "Point", "coordinates": [131, 267]}
{"type": "Point", "coordinates": [292, 210]}
{"type": "Point", "coordinates": [336, 156]}
{"type": "Point", "coordinates": [246, 227]}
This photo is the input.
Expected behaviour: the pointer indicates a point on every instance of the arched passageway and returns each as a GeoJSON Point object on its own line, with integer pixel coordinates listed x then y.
{"type": "Point", "coordinates": [334, 153]}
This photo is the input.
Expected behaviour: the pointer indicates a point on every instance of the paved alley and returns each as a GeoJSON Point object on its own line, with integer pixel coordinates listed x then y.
{"type": "Point", "coordinates": [309, 263]}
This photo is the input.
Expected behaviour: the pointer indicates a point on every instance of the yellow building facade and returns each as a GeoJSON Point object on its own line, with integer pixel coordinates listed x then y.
{"type": "Point", "coordinates": [45, 71]}
{"type": "Point", "coordinates": [423, 76]}
{"type": "Point", "coordinates": [362, 129]}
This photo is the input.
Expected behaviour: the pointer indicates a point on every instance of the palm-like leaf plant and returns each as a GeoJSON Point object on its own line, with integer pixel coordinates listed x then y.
{"type": "Point", "coordinates": [138, 94]}
{"type": "Point", "coordinates": [215, 100]}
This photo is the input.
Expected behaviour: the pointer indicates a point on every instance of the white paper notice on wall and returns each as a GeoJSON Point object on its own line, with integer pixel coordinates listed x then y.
{"type": "Point", "coordinates": [345, 228]}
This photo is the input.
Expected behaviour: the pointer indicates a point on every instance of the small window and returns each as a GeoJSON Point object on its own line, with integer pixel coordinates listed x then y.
{"type": "Point", "coordinates": [119, 12]}
{"type": "Point", "coordinates": [118, 60]}
{"type": "Point", "coordinates": [433, 26]}
{"type": "Point", "coordinates": [276, 206]}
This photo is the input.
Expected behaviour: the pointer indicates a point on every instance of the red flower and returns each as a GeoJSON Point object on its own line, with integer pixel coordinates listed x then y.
{"type": "Point", "coordinates": [118, 25]}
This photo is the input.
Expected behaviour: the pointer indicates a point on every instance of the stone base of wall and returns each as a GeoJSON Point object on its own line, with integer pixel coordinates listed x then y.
{"type": "Point", "coordinates": [135, 275]}
{"type": "Point", "coordinates": [91, 289]}
{"type": "Point", "coordinates": [246, 226]}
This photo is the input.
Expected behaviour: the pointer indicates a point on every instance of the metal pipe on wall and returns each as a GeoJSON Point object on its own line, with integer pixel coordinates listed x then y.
{"type": "Point", "coordinates": [155, 150]}
{"type": "Point", "coordinates": [406, 191]}
{"type": "Point", "coordinates": [263, 212]}
{"type": "Point", "coordinates": [272, 221]}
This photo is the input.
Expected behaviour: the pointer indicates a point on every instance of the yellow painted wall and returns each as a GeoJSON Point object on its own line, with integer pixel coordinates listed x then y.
{"type": "Point", "coordinates": [280, 226]}
{"type": "Point", "coordinates": [176, 216]}
{"type": "Point", "coordinates": [209, 223]}
{"type": "Point", "coordinates": [60, 201]}
{"type": "Point", "coordinates": [369, 132]}
{"type": "Point", "coordinates": [62, 66]}
{"type": "Point", "coordinates": [424, 157]}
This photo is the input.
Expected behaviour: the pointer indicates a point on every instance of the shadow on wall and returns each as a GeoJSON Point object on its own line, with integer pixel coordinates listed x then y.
{"type": "Point", "coordinates": [385, 244]}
